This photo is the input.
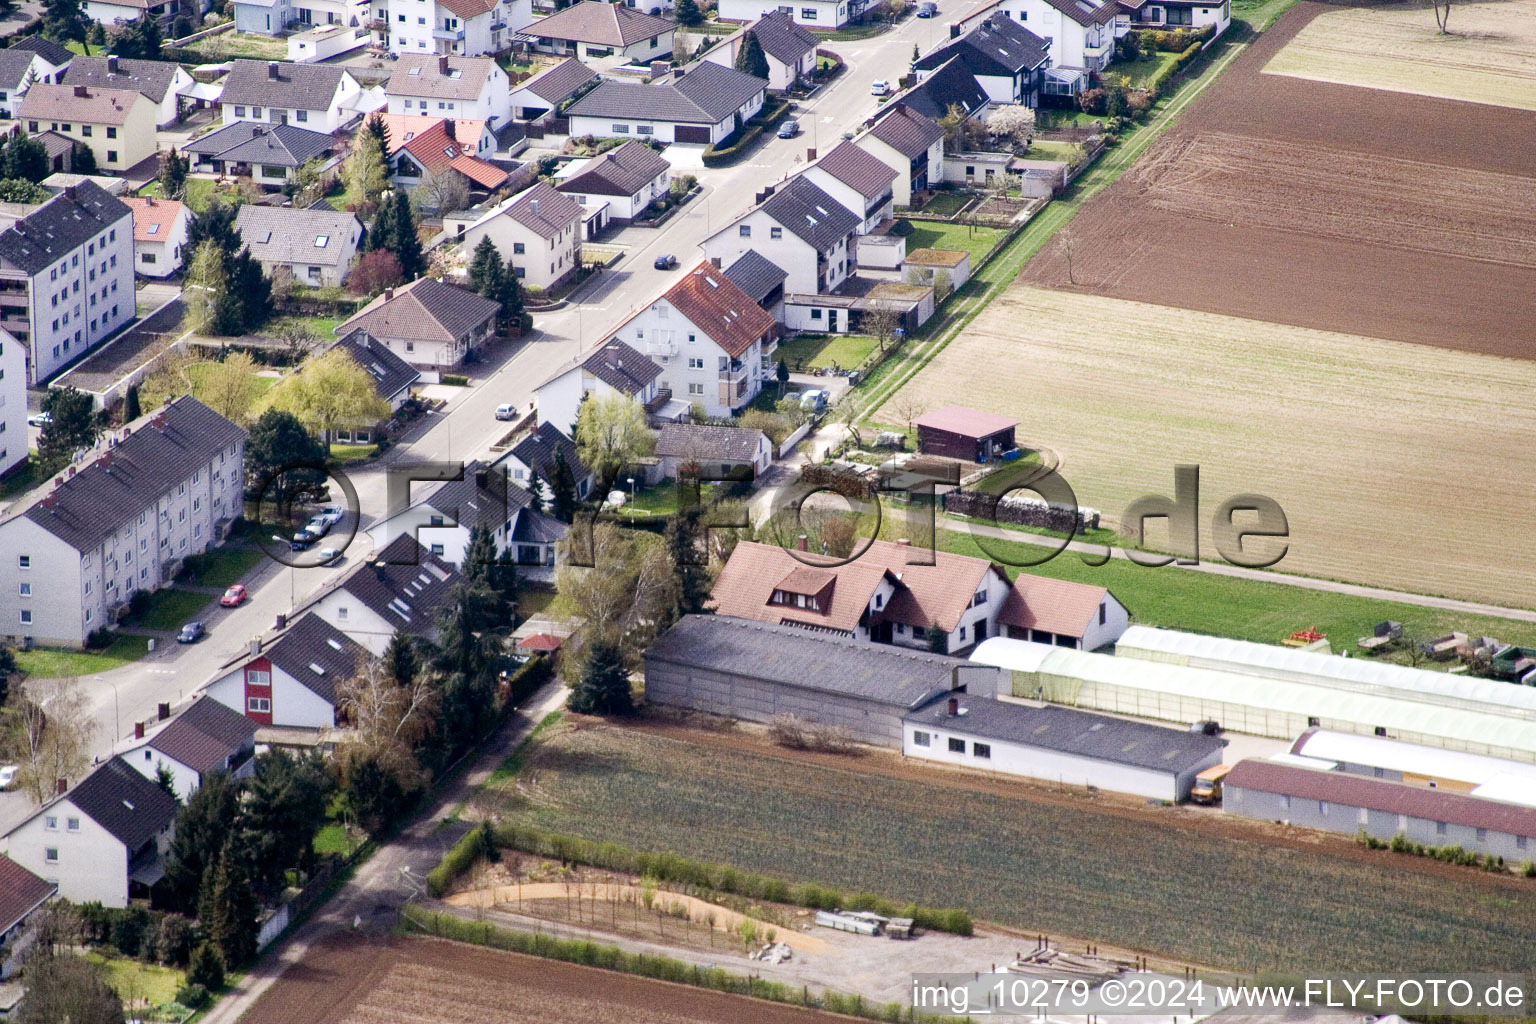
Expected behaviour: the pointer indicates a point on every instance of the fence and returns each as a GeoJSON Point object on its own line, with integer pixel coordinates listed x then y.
{"type": "Point", "coordinates": [314, 890]}
{"type": "Point", "coordinates": [793, 439]}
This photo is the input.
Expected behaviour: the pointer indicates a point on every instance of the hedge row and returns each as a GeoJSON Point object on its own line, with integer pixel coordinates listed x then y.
{"type": "Point", "coordinates": [458, 860]}
{"type": "Point", "coordinates": [724, 155]}
{"type": "Point", "coordinates": [775, 108]}
{"type": "Point", "coordinates": [1155, 83]}
{"type": "Point", "coordinates": [672, 867]}
{"type": "Point", "coordinates": [661, 968]}
{"type": "Point", "coordinates": [523, 683]}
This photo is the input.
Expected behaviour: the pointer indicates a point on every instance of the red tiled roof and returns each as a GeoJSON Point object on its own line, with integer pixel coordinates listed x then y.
{"type": "Point", "coordinates": [960, 419]}
{"type": "Point", "coordinates": [402, 128]}
{"type": "Point", "coordinates": [1055, 606]}
{"type": "Point", "coordinates": [539, 642]}
{"type": "Point", "coordinates": [437, 151]}
{"type": "Point", "coordinates": [720, 309]}
{"type": "Point", "coordinates": [152, 218]}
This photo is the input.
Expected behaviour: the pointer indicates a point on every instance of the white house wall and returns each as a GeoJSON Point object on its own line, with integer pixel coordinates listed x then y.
{"type": "Point", "coordinates": [812, 13]}
{"type": "Point", "coordinates": [92, 865]}
{"type": "Point", "coordinates": [294, 705]}
{"type": "Point", "coordinates": [146, 760]}
{"type": "Point", "coordinates": [13, 408]}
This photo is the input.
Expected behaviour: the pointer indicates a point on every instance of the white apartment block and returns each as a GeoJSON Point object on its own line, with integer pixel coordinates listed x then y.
{"type": "Point", "coordinates": [13, 403]}
{"type": "Point", "coordinates": [460, 27]}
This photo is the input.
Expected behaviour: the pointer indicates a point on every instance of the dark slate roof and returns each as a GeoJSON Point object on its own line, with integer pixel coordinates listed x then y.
{"type": "Point", "coordinates": [601, 23]}
{"type": "Point", "coordinates": [424, 310]}
{"type": "Point", "coordinates": [756, 275]}
{"type": "Point", "coordinates": [205, 736]}
{"type": "Point", "coordinates": [998, 46]}
{"type": "Point", "coordinates": [950, 85]}
{"type": "Point", "coordinates": [21, 892]}
{"type": "Point", "coordinates": [61, 225]}
{"type": "Point", "coordinates": [318, 234]}
{"type": "Point", "coordinates": [623, 171]}
{"type": "Point", "coordinates": [311, 642]}
{"type": "Point", "coordinates": [246, 142]}
{"type": "Point", "coordinates": [708, 442]}
{"type": "Point", "coordinates": [49, 50]}
{"type": "Point", "coordinates": [537, 451]}
{"type": "Point", "coordinates": [132, 808]}
{"type": "Point", "coordinates": [782, 39]}
{"type": "Point", "coordinates": [1079, 733]}
{"type": "Point", "coordinates": [476, 500]}
{"type": "Point", "coordinates": [534, 527]}
{"type": "Point", "coordinates": [622, 367]}
{"type": "Point", "coordinates": [792, 656]}
{"type": "Point", "coordinates": [162, 450]}
{"type": "Point", "coordinates": [717, 89]}
{"type": "Point", "coordinates": [706, 93]}
{"type": "Point", "coordinates": [560, 82]}
{"type": "Point", "coordinates": [809, 213]}
{"type": "Point", "coordinates": [405, 595]}
{"type": "Point", "coordinates": [906, 131]}
{"type": "Point", "coordinates": [13, 66]}
{"type": "Point", "coordinates": [295, 86]}
{"type": "Point", "coordinates": [391, 374]}
{"type": "Point", "coordinates": [866, 174]}
{"type": "Point", "coordinates": [1085, 13]}
{"type": "Point", "coordinates": [150, 77]}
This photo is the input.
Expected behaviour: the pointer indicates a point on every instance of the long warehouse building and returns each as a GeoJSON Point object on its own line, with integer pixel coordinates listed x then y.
{"type": "Point", "coordinates": [1261, 706]}
{"type": "Point", "coordinates": [1492, 778]}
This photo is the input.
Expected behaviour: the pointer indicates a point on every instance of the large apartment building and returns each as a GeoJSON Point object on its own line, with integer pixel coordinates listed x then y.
{"type": "Point", "coordinates": [66, 276]}
{"type": "Point", "coordinates": [118, 520]}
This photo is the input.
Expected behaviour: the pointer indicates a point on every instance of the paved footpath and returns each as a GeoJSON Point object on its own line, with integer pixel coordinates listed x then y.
{"type": "Point", "coordinates": [397, 871]}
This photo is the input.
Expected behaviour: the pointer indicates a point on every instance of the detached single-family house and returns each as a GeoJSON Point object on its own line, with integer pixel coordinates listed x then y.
{"type": "Point", "coordinates": [789, 49]}
{"type": "Point", "coordinates": [206, 737]}
{"type": "Point", "coordinates": [428, 324]}
{"type": "Point", "coordinates": [629, 179]}
{"type": "Point", "coordinates": [612, 369]}
{"type": "Point", "coordinates": [539, 230]}
{"type": "Point", "coordinates": [719, 453]}
{"type": "Point", "coordinates": [799, 228]}
{"type": "Point", "coordinates": [474, 138]}
{"type": "Point", "coordinates": [393, 377]}
{"type": "Point", "coordinates": [949, 85]}
{"type": "Point", "coordinates": [22, 894]}
{"type": "Point", "coordinates": [815, 13]}
{"type": "Point", "coordinates": [860, 181]}
{"type": "Point", "coordinates": [320, 97]}
{"type": "Point", "coordinates": [701, 104]}
{"type": "Point", "coordinates": [55, 57]}
{"type": "Point", "coordinates": [399, 590]}
{"type": "Point", "coordinates": [540, 96]}
{"type": "Point", "coordinates": [316, 245]}
{"type": "Point", "coordinates": [712, 342]}
{"type": "Point", "coordinates": [159, 234]}
{"type": "Point", "coordinates": [289, 680]}
{"type": "Point", "coordinates": [162, 81]}
{"type": "Point", "coordinates": [474, 88]}
{"type": "Point", "coordinates": [269, 154]}
{"type": "Point", "coordinates": [103, 841]}
{"type": "Point", "coordinates": [923, 266]}
{"type": "Point", "coordinates": [118, 125]}
{"type": "Point", "coordinates": [535, 457]}
{"type": "Point", "coordinates": [593, 29]}
{"type": "Point", "coordinates": [1081, 34]}
{"type": "Point", "coordinates": [19, 69]}
{"type": "Point", "coordinates": [1174, 14]}
{"type": "Point", "coordinates": [464, 27]}
{"type": "Point", "coordinates": [273, 17]}
{"type": "Point", "coordinates": [912, 145]}
{"type": "Point", "coordinates": [435, 152]}
{"type": "Point", "coordinates": [1007, 59]}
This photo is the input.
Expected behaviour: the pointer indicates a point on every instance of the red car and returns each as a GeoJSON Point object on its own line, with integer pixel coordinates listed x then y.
{"type": "Point", "coordinates": [234, 596]}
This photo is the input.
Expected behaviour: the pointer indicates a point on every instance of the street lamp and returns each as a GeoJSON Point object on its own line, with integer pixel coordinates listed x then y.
{"type": "Point", "coordinates": [631, 489]}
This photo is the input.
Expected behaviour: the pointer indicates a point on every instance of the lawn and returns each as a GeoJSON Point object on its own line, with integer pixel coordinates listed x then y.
{"type": "Point", "coordinates": [351, 454]}
{"type": "Point", "coordinates": [947, 204]}
{"type": "Point", "coordinates": [322, 326]}
{"type": "Point", "coordinates": [225, 566]}
{"type": "Point", "coordinates": [1141, 71]}
{"type": "Point", "coordinates": [660, 500]}
{"type": "Point", "coordinates": [19, 482]}
{"type": "Point", "coordinates": [1063, 868]}
{"type": "Point", "coordinates": [1042, 150]}
{"type": "Point", "coordinates": [197, 193]}
{"type": "Point", "coordinates": [976, 240]}
{"type": "Point", "coordinates": [336, 839]}
{"type": "Point", "coordinates": [170, 608]}
{"type": "Point", "coordinates": [240, 44]}
{"type": "Point", "coordinates": [808, 351]}
{"type": "Point", "coordinates": [139, 984]}
{"type": "Point", "coordinates": [534, 601]}
{"type": "Point", "coordinates": [256, 385]}
{"type": "Point", "coordinates": [50, 663]}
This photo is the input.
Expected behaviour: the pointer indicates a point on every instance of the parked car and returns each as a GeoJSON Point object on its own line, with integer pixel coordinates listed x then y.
{"type": "Point", "coordinates": [329, 555]}
{"type": "Point", "coordinates": [666, 261]}
{"type": "Point", "coordinates": [191, 633]}
{"type": "Point", "coordinates": [927, 9]}
{"type": "Point", "coordinates": [332, 514]}
{"type": "Point", "coordinates": [789, 129]}
{"type": "Point", "coordinates": [879, 87]}
{"type": "Point", "coordinates": [506, 411]}
{"type": "Point", "coordinates": [38, 419]}
{"type": "Point", "coordinates": [303, 540]}
{"type": "Point", "coordinates": [814, 401]}
{"type": "Point", "coordinates": [319, 526]}
{"type": "Point", "coordinates": [8, 776]}
{"type": "Point", "coordinates": [234, 597]}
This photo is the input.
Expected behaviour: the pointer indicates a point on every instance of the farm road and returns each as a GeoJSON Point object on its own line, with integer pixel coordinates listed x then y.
{"type": "Point", "coordinates": [397, 871]}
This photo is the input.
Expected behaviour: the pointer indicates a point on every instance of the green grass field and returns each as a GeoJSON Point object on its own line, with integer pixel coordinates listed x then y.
{"type": "Point", "coordinates": [350, 454]}
{"type": "Point", "coordinates": [1141, 71]}
{"type": "Point", "coordinates": [1042, 150]}
{"type": "Point", "coordinates": [809, 351]}
{"type": "Point", "coordinates": [335, 838]}
{"type": "Point", "coordinates": [256, 385]}
{"type": "Point", "coordinates": [139, 984]}
{"type": "Point", "coordinates": [1065, 870]}
{"type": "Point", "coordinates": [322, 326]}
{"type": "Point", "coordinates": [197, 193]}
{"type": "Point", "coordinates": [225, 566]}
{"type": "Point", "coordinates": [947, 204]}
{"type": "Point", "coordinates": [171, 609]}
{"type": "Point", "coordinates": [977, 241]}
{"type": "Point", "coordinates": [49, 663]}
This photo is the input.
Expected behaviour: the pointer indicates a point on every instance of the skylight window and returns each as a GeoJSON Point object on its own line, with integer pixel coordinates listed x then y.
{"type": "Point", "coordinates": [316, 669]}
{"type": "Point", "coordinates": [321, 241]}
{"type": "Point", "coordinates": [333, 643]}
{"type": "Point", "coordinates": [154, 229]}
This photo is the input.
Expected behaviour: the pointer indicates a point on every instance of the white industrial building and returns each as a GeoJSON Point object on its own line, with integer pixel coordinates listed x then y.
{"type": "Point", "coordinates": [1456, 770]}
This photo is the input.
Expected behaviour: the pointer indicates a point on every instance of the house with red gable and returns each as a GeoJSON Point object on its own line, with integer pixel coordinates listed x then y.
{"type": "Point", "coordinates": [290, 679]}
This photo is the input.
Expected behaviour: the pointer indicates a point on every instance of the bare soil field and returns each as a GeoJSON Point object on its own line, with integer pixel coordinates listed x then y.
{"type": "Point", "coordinates": [1371, 447]}
{"type": "Point", "coordinates": [1488, 56]}
{"type": "Point", "coordinates": [428, 981]}
{"type": "Point", "coordinates": [1300, 202]}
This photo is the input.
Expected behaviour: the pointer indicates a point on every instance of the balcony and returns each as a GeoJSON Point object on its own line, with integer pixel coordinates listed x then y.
{"type": "Point", "coordinates": [452, 35]}
{"type": "Point", "coordinates": [736, 373]}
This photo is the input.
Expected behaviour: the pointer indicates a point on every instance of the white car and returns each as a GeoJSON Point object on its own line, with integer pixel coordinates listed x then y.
{"type": "Point", "coordinates": [332, 514]}
{"type": "Point", "coordinates": [879, 87]}
{"type": "Point", "coordinates": [319, 526]}
{"type": "Point", "coordinates": [8, 776]}
{"type": "Point", "coordinates": [329, 555]}
{"type": "Point", "coordinates": [506, 412]}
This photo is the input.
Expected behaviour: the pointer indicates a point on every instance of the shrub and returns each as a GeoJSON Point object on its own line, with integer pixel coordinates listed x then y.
{"type": "Point", "coordinates": [1528, 869]}
{"type": "Point", "coordinates": [192, 995]}
{"type": "Point", "coordinates": [457, 861]}
{"type": "Point", "coordinates": [207, 968]}
{"type": "Point", "coordinates": [735, 145]}
{"type": "Point", "coordinates": [173, 943]}
{"type": "Point", "coordinates": [455, 380]}
{"type": "Point", "coordinates": [1092, 101]}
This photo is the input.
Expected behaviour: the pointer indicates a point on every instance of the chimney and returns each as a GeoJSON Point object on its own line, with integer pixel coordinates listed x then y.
{"type": "Point", "coordinates": [138, 730]}
{"type": "Point", "coordinates": [442, 64]}
{"type": "Point", "coordinates": [904, 542]}
{"type": "Point", "coordinates": [954, 706]}
{"type": "Point", "coordinates": [82, 91]}
{"type": "Point", "coordinates": [954, 30]}
{"type": "Point", "coordinates": [163, 711]}
{"type": "Point", "coordinates": [149, 200]}
{"type": "Point", "coordinates": [60, 786]}
{"type": "Point", "coordinates": [448, 126]}
{"type": "Point", "coordinates": [389, 293]}
{"type": "Point", "coordinates": [255, 646]}
{"type": "Point", "coordinates": [112, 64]}
{"type": "Point", "coordinates": [482, 479]}
{"type": "Point", "coordinates": [801, 543]}
{"type": "Point", "coordinates": [533, 207]}
{"type": "Point", "coordinates": [272, 70]}
{"type": "Point", "coordinates": [282, 621]}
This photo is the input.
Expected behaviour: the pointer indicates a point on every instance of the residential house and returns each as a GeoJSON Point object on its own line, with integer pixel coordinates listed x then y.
{"type": "Point", "coordinates": [534, 457]}
{"type": "Point", "coordinates": [540, 96]}
{"type": "Point", "coordinates": [321, 97]}
{"type": "Point", "coordinates": [629, 179]}
{"type": "Point", "coordinates": [789, 49]}
{"type": "Point", "coordinates": [22, 894]}
{"type": "Point", "coordinates": [117, 124]}
{"type": "Point", "coordinates": [269, 154]}
{"type": "Point", "coordinates": [799, 228]}
{"type": "Point", "coordinates": [947, 87]}
{"type": "Point", "coordinates": [923, 266]}
{"type": "Point", "coordinates": [159, 234]}
{"type": "Point", "coordinates": [163, 82]}
{"type": "Point", "coordinates": [399, 590]}
{"type": "Point", "coordinates": [719, 453]}
{"type": "Point", "coordinates": [701, 104]}
{"type": "Point", "coordinates": [428, 324]}
{"type": "Point", "coordinates": [474, 88]}
{"type": "Point", "coordinates": [289, 680]}
{"type": "Point", "coordinates": [118, 12]}
{"type": "Point", "coordinates": [761, 280]}
{"type": "Point", "coordinates": [859, 181]}
{"type": "Point", "coordinates": [55, 56]}
{"type": "Point", "coordinates": [815, 13]}
{"type": "Point", "coordinates": [612, 369]}
{"type": "Point", "coordinates": [272, 17]}
{"type": "Point", "coordinates": [1174, 14]}
{"type": "Point", "coordinates": [911, 144]}
{"type": "Point", "coordinates": [592, 29]}
{"type": "Point", "coordinates": [463, 27]}
{"type": "Point", "coordinates": [435, 152]}
{"type": "Point", "coordinates": [66, 276]}
{"type": "Point", "coordinates": [207, 737]}
{"type": "Point", "coordinates": [60, 150]}
{"type": "Point", "coordinates": [1007, 59]}
{"type": "Point", "coordinates": [538, 230]}
{"type": "Point", "coordinates": [316, 246]}
{"type": "Point", "coordinates": [393, 376]}
{"type": "Point", "coordinates": [18, 70]}
{"type": "Point", "coordinates": [118, 520]}
{"type": "Point", "coordinates": [710, 339]}
{"type": "Point", "coordinates": [104, 841]}
{"type": "Point", "coordinates": [1063, 614]}
{"type": "Point", "coordinates": [13, 404]}
{"type": "Point", "coordinates": [474, 138]}
{"type": "Point", "coordinates": [1081, 35]}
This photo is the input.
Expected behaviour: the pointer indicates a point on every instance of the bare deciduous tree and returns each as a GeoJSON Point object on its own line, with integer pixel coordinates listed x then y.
{"type": "Point", "coordinates": [1068, 243]}
{"type": "Point", "coordinates": [1442, 13]}
{"type": "Point", "coordinates": [623, 592]}
{"type": "Point", "coordinates": [881, 321]}
{"type": "Point", "coordinates": [443, 193]}
{"type": "Point", "coordinates": [49, 735]}
{"type": "Point", "coordinates": [388, 718]}
{"type": "Point", "coordinates": [909, 407]}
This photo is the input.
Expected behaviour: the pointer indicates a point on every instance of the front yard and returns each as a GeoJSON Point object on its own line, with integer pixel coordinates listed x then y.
{"type": "Point", "coordinates": [812, 351]}
{"type": "Point", "coordinates": [223, 566]}
{"type": "Point", "coordinates": [171, 609]}
{"type": "Point", "coordinates": [351, 454]}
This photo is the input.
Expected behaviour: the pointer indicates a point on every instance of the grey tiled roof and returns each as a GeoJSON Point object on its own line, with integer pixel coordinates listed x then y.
{"type": "Point", "coordinates": [421, 75]}
{"type": "Point", "coordinates": [623, 171]}
{"type": "Point", "coordinates": [406, 595]}
{"type": "Point", "coordinates": [998, 46]}
{"type": "Point", "coordinates": [247, 142]}
{"type": "Point", "coordinates": [604, 24]}
{"type": "Point", "coordinates": [424, 310]}
{"type": "Point", "coordinates": [150, 77]}
{"type": "Point", "coordinates": [559, 82]}
{"type": "Point", "coordinates": [129, 806]}
{"type": "Point", "coordinates": [278, 235]}
{"type": "Point", "coordinates": [13, 66]}
{"type": "Point", "coordinates": [291, 86]}
{"type": "Point", "coordinates": [391, 374]}
{"type": "Point", "coordinates": [205, 736]}
{"type": "Point", "coordinates": [756, 275]}
{"type": "Point", "coordinates": [534, 527]}
{"type": "Point", "coordinates": [809, 213]}
{"type": "Point", "coordinates": [622, 367]}
{"type": "Point", "coordinates": [906, 131]}
{"type": "Point", "coordinates": [129, 478]}
{"type": "Point", "coordinates": [866, 174]}
{"type": "Point", "coordinates": [469, 504]}
{"type": "Point", "coordinates": [706, 94]}
{"type": "Point", "coordinates": [312, 642]}
{"type": "Point", "coordinates": [544, 210]}
{"type": "Point", "coordinates": [61, 225]}
{"type": "Point", "coordinates": [782, 39]}
{"type": "Point", "coordinates": [950, 85]}
{"type": "Point", "coordinates": [537, 451]}
{"type": "Point", "coordinates": [49, 50]}
{"type": "Point", "coordinates": [792, 656]}
{"type": "Point", "coordinates": [708, 442]}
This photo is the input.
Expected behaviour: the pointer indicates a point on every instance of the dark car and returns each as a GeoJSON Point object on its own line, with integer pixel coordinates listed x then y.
{"type": "Point", "coordinates": [302, 541]}
{"type": "Point", "coordinates": [789, 129]}
{"type": "Point", "coordinates": [666, 261]}
{"type": "Point", "coordinates": [191, 633]}
{"type": "Point", "coordinates": [927, 9]}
